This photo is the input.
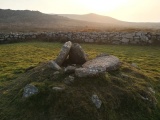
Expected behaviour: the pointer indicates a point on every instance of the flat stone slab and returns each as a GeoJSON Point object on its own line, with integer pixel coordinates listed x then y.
{"type": "Point", "coordinates": [63, 53]}
{"type": "Point", "coordinates": [108, 63]}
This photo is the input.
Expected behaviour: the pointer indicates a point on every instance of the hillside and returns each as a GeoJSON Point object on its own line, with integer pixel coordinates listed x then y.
{"type": "Point", "coordinates": [106, 20]}
{"type": "Point", "coordinates": [93, 18]}
{"type": "Point", "coordinates": [28, 21]}
{"type": "Point", "coordinates": [23, 20]}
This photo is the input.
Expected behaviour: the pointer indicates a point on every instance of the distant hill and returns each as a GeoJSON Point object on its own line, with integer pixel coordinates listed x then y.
{"type": "Point", "coordinates": [93, 18]}
{"type": "Point", "coordinates": [23, 20]}
{"type": "Point", "coordinates": [26, 20]}
{"type": "Point", "coordinates": [106, 20]}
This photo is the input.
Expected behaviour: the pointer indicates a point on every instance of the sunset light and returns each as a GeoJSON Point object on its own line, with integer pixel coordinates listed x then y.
{"type": "Point", "coordinates": [102, 5]}
{"type": "Point", "coordinates": [126, 10]}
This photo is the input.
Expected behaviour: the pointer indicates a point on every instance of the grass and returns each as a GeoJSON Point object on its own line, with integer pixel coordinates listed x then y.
{"type": "Point", "coordinates": [120, 91]}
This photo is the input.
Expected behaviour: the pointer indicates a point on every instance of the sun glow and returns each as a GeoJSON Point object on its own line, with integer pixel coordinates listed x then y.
{"type": "Point", "coordinates": [103, 5]}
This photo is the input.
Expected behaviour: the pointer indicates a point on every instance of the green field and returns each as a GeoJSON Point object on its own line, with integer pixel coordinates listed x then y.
{"type": "Point", "coordinates": [16, 58]}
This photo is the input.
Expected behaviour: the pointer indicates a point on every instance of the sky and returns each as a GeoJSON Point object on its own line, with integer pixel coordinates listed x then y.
{"type": "Point", "coordinates": [126, 10]}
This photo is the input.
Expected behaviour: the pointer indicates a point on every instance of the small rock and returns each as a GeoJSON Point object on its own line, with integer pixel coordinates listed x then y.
{"type": "Point", "coordinates": [63, 53]}
{"type": "Point", "coordinates": [134, 65]}
{"type": "Point", "coordinates": [69, 80]}
{"type": "Point", "coordinates": [125, 76]}
{"type": "Point", "coordinates": [54, 65]}
{"type": "Point", "coordinates": [29, 90]}
{"type": "Point", "coordinates": [70, 69]}
{"type": "Point", "coordinates": [77, 55]}
{"type": "Point", "coordinates": [96, 101]}
{"type": "Point", "coordinates": [58, 89]}
{"type": "Point", "coordinates": [56, 73]}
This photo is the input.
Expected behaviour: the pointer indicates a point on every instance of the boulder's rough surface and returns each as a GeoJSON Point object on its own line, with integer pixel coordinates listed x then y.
{"type": "Point", "coordinates": [54, 65]}
{"type": "Point", "coordinates": [63, 53]}
{"type": "Point", "coordinates": [77, 55]}
{"type": "Point", "coordinates": [29, 90]}
{"type": "Point", "coordinates": [97, 102]}
{"type": "Point", "coordinates": [108, 63]}
{"type": "Point", "coordinates": [90, 72]}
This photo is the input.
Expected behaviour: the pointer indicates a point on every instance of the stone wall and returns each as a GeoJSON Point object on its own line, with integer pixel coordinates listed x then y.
{"type": "Point", "coordinates": [140, 38]}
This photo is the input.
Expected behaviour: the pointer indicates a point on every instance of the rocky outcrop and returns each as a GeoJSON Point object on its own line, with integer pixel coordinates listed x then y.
{"type": "Point", "coordinates": [77, 55]}
{"type": "Point", "coordinates": [95, 67]}
{"type": "Point", "coordinates": [63, 53]}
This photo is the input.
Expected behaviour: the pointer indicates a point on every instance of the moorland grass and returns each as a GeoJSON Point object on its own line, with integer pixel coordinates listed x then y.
{"type": "Point", "coordinates": [15, 58]}
{"type": "Point", "coordinates": [120, 94]}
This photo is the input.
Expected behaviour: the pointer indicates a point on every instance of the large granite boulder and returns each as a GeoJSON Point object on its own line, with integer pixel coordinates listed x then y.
{"type": "Point", "coordinates": [63, 53]}
{"type": "Point", "coordinates": [77, 55]}
{"type": "Point", "coordinates": [107, 63]}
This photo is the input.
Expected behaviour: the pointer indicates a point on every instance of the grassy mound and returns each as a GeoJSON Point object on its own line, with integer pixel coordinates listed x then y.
{"type": "Point", "coordinates": [126, 94]}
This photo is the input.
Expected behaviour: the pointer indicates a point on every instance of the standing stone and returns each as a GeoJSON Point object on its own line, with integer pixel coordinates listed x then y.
{"type": "Point", "coordinates": [63, 53]}
{"type": "Point", "coordinates": [77, 55]}
{"type": "Point", "coordinates": [29, 90]}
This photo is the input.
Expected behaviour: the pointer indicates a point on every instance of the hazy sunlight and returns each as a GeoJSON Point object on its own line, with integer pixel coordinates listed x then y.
{"type": "Point", "coordinates": [126, 10]}
{"type": "Point", "coordinates": [103, 5]}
